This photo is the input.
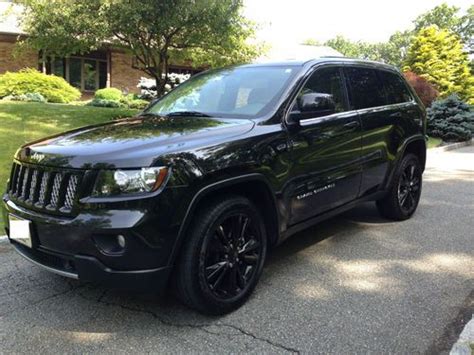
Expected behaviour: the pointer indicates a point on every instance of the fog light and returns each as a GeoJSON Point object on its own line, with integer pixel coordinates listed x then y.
{"type": "Point", "coordinates": [110, 244]}
{"type": "Point", "coordinates": [121, 241]}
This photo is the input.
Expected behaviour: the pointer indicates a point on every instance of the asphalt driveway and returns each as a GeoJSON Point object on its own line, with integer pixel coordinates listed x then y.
{"type": "Point", "coordinates": [354, 284]}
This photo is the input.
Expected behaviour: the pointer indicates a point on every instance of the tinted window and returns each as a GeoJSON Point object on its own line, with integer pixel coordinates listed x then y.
{"type": "Point", "coordinates": [395, 89]}
{"type": "Point", "coordinates": [327, 81]}
{"type": "Point", "coordinates": [365, 88]}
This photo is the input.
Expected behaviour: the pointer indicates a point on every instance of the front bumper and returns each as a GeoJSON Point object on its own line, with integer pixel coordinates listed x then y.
{"type": "Point", "coordinates": [68, 246]}
{"type": "Point", "coordinates": [86, 268]}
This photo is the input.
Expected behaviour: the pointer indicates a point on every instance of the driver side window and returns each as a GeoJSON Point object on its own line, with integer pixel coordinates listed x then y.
{"type": "Point", "coordinates": [325, 84]}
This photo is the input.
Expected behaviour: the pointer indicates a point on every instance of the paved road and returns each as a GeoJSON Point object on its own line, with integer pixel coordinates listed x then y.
{"type": "Point", "coordinates": [354, 284]}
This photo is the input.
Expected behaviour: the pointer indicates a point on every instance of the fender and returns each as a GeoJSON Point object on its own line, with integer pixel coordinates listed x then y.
{"type": "Point", "coordinates": [400, 154]}
{"type": "Point", "coordinates": [204, 192]}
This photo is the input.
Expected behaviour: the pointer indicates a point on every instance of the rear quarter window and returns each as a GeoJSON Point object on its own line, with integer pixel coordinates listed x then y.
{"type": "Point", "coordinates": [396, 91]}
{"type": "Point", "coordinates": [365, 88]}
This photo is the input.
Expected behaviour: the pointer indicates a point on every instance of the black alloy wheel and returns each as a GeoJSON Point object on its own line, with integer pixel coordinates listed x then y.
{"type": "Point", "coordinates": [223, 256]}
{"type": "Point", "coordinates": [402, 198]}
{"type": "Point", "coordinates": [231, 257]}
{"type": "Point", "coordinates": [409, 188]}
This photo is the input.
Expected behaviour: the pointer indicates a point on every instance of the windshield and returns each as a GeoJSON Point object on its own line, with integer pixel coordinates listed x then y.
{"type": "Point", "coordinates": [241, 92]}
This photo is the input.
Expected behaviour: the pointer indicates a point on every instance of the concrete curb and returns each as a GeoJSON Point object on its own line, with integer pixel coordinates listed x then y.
{"type": "Point", "coordinates": [452, 146]}
{"type": "Point", "coordinates": [465, 343]}
{"type": "Point", "coordinates": [3, 238]}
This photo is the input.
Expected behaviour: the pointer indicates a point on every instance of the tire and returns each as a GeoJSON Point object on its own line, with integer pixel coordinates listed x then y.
{"type": "Point", "coordinates": [223, 257]}
{"type": "Point", "coordinates": [404, 195]}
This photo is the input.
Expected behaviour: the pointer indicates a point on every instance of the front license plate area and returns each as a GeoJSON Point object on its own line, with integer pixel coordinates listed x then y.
{"type": "Point", "coordinates": [20, 230]}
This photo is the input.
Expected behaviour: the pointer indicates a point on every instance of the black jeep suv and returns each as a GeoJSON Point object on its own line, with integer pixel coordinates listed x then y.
{"type": "Point", "coordinates": [193, 191]}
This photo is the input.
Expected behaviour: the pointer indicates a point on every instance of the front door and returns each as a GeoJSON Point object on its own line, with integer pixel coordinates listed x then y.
{"type": "Point", "coordinates": [326, 150]}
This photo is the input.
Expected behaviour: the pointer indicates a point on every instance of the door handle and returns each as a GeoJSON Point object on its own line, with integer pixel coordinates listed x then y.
{"type": "Point", "coordinates": [353, 124]}
{"type": "Point", "coordinates": [396, 115]}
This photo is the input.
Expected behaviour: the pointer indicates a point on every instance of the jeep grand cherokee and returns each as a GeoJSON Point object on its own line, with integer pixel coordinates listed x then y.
{"type": "Point", "coordinates": [192, 192]}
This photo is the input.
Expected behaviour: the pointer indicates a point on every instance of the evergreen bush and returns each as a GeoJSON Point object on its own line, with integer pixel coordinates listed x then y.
{"type": "Point", "coordinates": [451, 119]}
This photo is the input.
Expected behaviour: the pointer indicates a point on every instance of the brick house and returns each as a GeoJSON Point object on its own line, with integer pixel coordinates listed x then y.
{"type": "Point", "coordinates": [107, 67]}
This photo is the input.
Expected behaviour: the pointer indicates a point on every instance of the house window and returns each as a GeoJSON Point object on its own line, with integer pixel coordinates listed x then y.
{"type": "Point", "coordinates": [84, 73]}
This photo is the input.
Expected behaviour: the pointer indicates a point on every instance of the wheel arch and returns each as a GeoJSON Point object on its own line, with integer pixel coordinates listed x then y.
{"type": "Point", "coordinates": [253, 186]}
{"type": "Point", "coordinates": [415, 145]}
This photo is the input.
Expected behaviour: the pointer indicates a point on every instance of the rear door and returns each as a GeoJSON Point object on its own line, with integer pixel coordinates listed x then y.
{"type": "Point", "coordinates": [382, 106]}
{"type": "Point", "coordinates": [325, 153]}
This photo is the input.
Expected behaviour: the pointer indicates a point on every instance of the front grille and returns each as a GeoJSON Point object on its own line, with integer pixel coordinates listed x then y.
{"type": "Point", "coordinates": [44, 188]}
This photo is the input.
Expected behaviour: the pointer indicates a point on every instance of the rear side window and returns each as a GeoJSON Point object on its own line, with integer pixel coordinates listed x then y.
{"type": "Point", "coordinates": [395, 89]}
{"type": "Point", "coordinates": [365, 88]}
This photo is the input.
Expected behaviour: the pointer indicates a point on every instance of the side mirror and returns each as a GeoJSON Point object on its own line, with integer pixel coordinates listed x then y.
{"type": "Point", "coordinates": [316, 102]}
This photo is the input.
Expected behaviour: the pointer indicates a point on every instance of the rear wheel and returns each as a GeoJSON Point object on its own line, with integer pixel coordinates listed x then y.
{"type": "Point", "coordinates": [223, 258]}
{"type": "Point", "coordinates": [402, 200]}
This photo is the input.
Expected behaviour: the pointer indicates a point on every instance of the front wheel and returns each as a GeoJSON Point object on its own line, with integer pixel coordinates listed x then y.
{"type": "Point", "coordinates": [223, 258]}
{"type": "Point", "coordinates": [402, 200]}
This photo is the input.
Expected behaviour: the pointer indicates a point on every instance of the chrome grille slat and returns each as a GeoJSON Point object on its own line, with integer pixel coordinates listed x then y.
{"type": "Point", "coordinates": [24, 184]}
{"type": "Point", "coordinates": [42, 192]}
{"type": "Point", "coordinates": [53, 190]}
{"type": "Point", "coordinates": [33, 185]}
{"type": "Point", "coordinates": [70, 192]}
{"type": "Point", "coordinates": [58, 178]}
{"type": "Point", "coordinates": [18, 180]}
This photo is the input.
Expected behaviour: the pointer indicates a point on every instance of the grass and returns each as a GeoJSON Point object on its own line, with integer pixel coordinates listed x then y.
{"type": "Point", "coordinates": [434, 142]}
{"type": "Point", "coordinates": [22, 122]}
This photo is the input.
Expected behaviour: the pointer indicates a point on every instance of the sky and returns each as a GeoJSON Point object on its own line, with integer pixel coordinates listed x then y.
{"type": "Point", "coordinates": [293, 21]}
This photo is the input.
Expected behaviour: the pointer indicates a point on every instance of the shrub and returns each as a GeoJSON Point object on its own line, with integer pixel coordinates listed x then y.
{"type": "Point", "coordinates": [148, 86]}
{"type": "Point", "coordinates": [133, 101]}
{"type": "Point", "coordinates": [110, 94]}
{"type": "Point", "coordinates": [52, 88]}
{"type": "Point", "coordinates": [28, 97]}
{"type": "Point", "coordinates": [424, 89]}
{"type": "Point", "coordinates": [105, 103]}
{"type": "Point", "coordinates": [450, 119]}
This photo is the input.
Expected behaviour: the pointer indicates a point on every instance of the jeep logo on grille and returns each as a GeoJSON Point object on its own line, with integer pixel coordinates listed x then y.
{"type": "Point", "coordinates": [38, 157]}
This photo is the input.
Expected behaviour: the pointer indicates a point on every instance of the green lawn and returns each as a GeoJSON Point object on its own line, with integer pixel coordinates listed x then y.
{"type": "Point", "coordinates": [433, 142]}
{"type": "Point", "coordinates": [24, 122]}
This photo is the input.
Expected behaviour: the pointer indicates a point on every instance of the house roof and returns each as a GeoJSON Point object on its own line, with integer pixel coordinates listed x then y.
{"type": "Point", "coordinates": [285, 52]}
{"type": "Point", "coordinates": [9, 18]}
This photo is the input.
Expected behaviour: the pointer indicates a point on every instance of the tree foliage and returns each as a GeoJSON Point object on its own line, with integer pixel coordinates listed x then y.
{"type": "Point", "coordinates": [203, 32]}
{"type": "Point", "coordinates": [438, 56]}
{"type": "Point", "coordinates": [424, 89]}
{"type": "Point", "coordinates": [394, 51]}
{"type": "Point", "coordinates": [448, 18]}
{"type": "Point", "coordinates": [450, 119]}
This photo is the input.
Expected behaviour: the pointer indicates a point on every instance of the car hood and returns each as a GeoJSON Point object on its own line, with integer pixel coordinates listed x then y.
{"type": "Point", "coordinates": [133, 142]}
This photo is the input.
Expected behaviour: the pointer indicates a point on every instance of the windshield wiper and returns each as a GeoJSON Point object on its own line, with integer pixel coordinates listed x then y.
{"type": "Point", "coordinates": [188, 113]}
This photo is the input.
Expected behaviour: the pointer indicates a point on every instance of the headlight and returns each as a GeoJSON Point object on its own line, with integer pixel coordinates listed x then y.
{"type": "Point", "coordinates": [120, 182]}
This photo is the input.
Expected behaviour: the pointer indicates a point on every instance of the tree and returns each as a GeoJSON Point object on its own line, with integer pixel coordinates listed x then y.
{"type": "Point", "coordinates": [397, 48]}
{"type": "Point", "coordinates": [210, 32]}
{"type": "Point", "coordinates": [311, 42]}
{"type": "Point", "coordinates": [437, 55]}
{"type": "Point", "coordinates": [448, 18]}
{"type": "Point", "coordinates": [382, 52]}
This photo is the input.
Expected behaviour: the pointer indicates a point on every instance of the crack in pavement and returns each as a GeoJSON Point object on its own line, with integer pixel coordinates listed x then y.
{"type": "Point", "coordinates": [202, 326]}
{"type": "Point", "coordinates": [72, 288]}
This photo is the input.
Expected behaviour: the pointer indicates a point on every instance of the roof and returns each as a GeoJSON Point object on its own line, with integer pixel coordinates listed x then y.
{"type": "Point", "coordinates": [9, 18]}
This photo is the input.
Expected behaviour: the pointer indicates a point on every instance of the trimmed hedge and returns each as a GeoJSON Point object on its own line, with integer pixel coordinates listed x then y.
{"type": "Point", "coordinates": [105, 103]}
{"type": "Point", "coordinates": [451, 120]}
{"type": "Point", "coordinates": [111, 97]}
{"type": "Point", "coordinates": [27, 81]}
{"type": "Point", "coordinates": [111, 94]}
